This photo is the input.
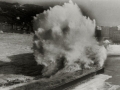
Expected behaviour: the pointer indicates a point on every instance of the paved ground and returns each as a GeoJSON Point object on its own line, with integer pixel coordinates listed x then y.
{"type": "Point", "coordinates": [113, 68]}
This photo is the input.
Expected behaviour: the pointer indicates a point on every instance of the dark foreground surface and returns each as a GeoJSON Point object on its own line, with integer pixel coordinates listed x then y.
{"type": "Point", "coordinates": [112, 68]}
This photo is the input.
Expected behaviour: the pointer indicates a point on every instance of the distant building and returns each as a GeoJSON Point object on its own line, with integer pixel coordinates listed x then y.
{"type": "Point", "coordinates": [105, 31]}
{"type": "Point", "coordinates": [98, 33]}
{"type": "Point", "coordinates": [112, 33]}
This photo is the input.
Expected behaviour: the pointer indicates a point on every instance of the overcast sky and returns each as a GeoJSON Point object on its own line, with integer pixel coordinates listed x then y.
{"type": "Point", "coordinates": [106, 12]}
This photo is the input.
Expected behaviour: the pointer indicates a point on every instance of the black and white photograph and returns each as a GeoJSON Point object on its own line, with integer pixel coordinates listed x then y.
{"type": "Point", "coordinates": [59, 44]}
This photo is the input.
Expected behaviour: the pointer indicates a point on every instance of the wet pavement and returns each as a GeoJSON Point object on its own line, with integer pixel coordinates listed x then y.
{"type": "Point", "coordinates": [112, 68]}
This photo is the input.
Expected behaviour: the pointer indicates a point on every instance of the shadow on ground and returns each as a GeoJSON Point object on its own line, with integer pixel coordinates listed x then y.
{"type": "Point", "coordinates": [21, 64]}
